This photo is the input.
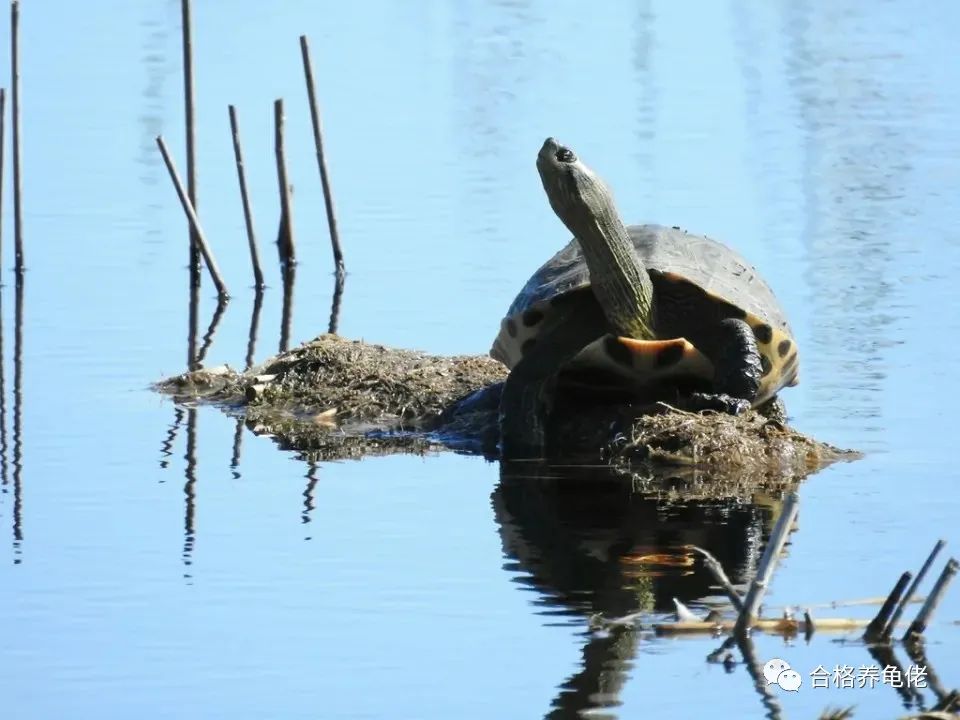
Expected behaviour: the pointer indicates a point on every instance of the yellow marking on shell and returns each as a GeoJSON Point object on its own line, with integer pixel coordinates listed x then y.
{"type": "Point", "coordinates": [508, 346]}
{"type": "Point", "coordinates": [776, 378]}
{"type": "Point", "coordinates": [667, 358]}
{"type": "Point", "coordinates": [675, 277]}
{"type": "Point", "coordinates": [634, 362]}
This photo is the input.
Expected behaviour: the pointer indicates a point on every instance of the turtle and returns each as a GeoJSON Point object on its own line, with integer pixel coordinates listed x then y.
{"type": "Point", "coordinates": [649, 305]}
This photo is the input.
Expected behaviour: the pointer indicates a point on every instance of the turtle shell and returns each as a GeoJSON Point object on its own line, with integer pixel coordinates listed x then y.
{"type": "Point", "coordinates": [679, 263]}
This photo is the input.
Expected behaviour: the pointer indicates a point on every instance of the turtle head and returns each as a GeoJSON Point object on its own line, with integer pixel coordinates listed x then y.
{"type": "Point", "coordinates": [562, 173]}
{"type": "Point", "coordinates": [585, 205]}
{"type": "Point", "coordinates": [553, 152]}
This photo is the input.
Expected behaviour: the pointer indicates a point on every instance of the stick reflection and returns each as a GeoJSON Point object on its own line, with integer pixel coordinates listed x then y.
{"type": "Point", "coordinates": [248, 363]}
{"type": "Point", "coordinates": [166, 447]}
{"type": "Point", "coordinates": [211, 331]}
{"type": "Point", "coordinates": [308, 500]}
{"type": "Point", "coordinates": [18, 421]}
{"type": "Point", "coordinates": [190, 493]}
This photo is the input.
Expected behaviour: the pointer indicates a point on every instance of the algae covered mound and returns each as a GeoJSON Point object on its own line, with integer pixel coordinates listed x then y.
{"type": "Point", "coordinates": [345, 381]}
{"type": "Point", "coordinates": [739, 453]}
{"type": "Point", "coordinates": [333, 398]}
{"type": "Point", "coordinates": [356, 381]}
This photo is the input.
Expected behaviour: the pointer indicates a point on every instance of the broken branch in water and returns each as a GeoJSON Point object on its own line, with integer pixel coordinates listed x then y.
{"type": "Point", "coordinates": [919, 625]}
{"type": "Point", "coordinates": [746, 619]}
{"type": "Point", "coordinates": [781, 626]}
{"type": "Point", "coordinates": [771, 555]}
{"type": "Point", "coordinates": [875, 628]}
{"type": "Point", "coordinates": [716, 569]}
{"type": "Point", "coordinates": [193, 220]}
{"type": "Point", "coordinates": [888, 630]}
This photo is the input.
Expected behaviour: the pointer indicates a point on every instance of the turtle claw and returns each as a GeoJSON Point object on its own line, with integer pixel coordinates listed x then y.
{"type": "Point", "coordinates": [774, 410]}
{"type": "Point", "coordinates": [717, 402]}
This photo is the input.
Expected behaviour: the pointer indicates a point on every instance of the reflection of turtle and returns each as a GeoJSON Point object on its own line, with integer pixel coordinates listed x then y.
{"type": "Point", "coordinates": [650, 305]}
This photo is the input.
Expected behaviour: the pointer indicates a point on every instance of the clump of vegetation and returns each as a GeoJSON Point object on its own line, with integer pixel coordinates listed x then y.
{"type": "Point", "coordinates": [336, 398]}
{"type": "Point", "coordinates": [346, 382]}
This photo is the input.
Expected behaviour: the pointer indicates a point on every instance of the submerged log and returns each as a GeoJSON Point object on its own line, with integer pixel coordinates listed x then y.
{"type": "Point", "coordinates": [334, 398]}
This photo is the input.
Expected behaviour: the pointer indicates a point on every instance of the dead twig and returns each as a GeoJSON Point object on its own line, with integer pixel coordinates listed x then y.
{"type": "Point", "coordinates": [875, 628]}
{"type": "Point", "coordinates": [716, 569]}
{"type": "Point", "coordinates": [771, 555]}
{"type": "Point", "coordinates": [194, 221]}
{"type": "Point", "coordinates": [888, 630]}
{"type": "Point", "coordinates": [917, 627]}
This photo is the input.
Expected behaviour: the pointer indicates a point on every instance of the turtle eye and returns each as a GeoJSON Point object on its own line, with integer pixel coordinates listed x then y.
{"type": "Point", "coordinates": [566, 155]}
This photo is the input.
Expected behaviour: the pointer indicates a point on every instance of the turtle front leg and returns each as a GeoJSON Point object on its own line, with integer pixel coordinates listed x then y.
{"type": "Point", "coordinates": [737, 370]}
{"type": "Point", "coordinates": [529, 390]}
{"type": "Point", "coordinates": [524, 409]}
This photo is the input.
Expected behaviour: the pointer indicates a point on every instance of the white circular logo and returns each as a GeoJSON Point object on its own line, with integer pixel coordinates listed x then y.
{"type": "Point", "coordinates": [778, 672]}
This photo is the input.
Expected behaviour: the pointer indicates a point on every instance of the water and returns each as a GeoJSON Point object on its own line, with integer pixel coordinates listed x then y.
{"type": "Point", "coordinates": [151, 569]}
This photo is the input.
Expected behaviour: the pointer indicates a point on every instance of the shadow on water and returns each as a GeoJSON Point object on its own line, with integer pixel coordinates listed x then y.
{"type": "Point", "coordinates": [592, 547]}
